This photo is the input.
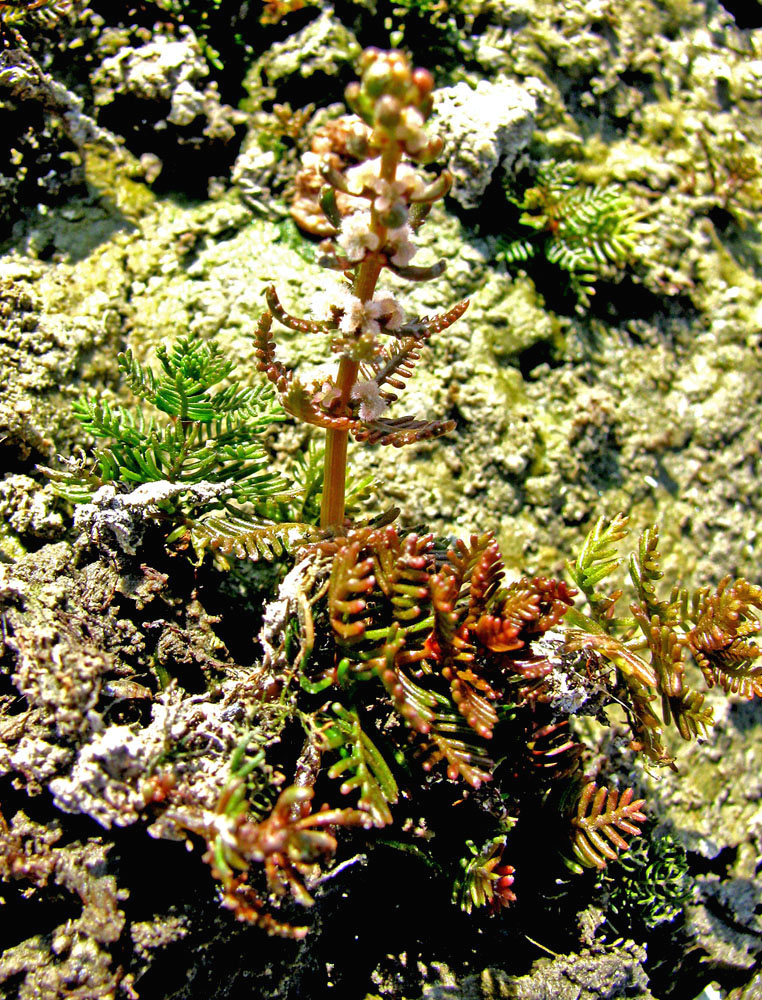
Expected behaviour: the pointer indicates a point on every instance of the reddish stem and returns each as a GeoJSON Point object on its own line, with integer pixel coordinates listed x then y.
{"type": "Point", "coordinates": [333, 504]}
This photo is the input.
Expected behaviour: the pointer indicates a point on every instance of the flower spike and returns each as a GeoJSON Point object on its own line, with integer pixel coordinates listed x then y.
{"type": "Point", "coordinates": [373, 207]}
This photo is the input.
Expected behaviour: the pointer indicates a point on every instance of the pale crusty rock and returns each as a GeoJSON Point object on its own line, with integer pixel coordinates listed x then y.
{"type": "Point", "coordinates": [483, 128]}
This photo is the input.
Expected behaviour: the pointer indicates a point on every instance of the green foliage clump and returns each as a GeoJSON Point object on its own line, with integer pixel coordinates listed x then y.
{"type": "Point", "coordinates": [650, 648]}
{"type": "Point", "coordinates": [426, 683]}
{"type": "Point", "coordinates": [412, 668]}
{"type": "Point", "coordinates": [485, 881]}
{"type": "Point", "coordinates": [586, 230]}
{"type": "Point", "coordinates": [360, 765]}
{"type": "Point", "coordinates": [650, 884]}
{"type": "Point", "coordinates": [205, 445]}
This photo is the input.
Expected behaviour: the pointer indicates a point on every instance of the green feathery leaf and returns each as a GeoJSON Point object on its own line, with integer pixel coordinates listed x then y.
{"type": "Point", "coordinates": [361, 765]}
{"type": "Point", "coordinates": [583, 229]}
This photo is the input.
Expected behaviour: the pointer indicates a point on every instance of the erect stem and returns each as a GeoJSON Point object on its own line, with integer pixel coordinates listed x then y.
{"type": "Point", "coordinates": [335, 467]}
{"type": "Point", "coordinates": [335, 464]}
{"type": "Point", "coordinates": [334, 481]}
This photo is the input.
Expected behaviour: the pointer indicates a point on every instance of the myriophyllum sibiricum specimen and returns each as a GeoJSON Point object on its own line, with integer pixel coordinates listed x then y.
{"type": "Point", "coordinates": [375, 207]}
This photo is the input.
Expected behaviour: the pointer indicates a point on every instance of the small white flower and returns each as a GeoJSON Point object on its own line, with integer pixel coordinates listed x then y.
{"type": "Point", "coordinates": [368, 318]}
{"type": "Point", "coordinates": [364, 175]}
{"type": "Point", "coordinates": [389, 310]}
{"type": "Point", "coordinates": [384, 200]}
{"type": "Point", "coordinates": [354, 314]}
{"type": "Point", "coordinates": [333, 297]}
{"type": "Point", "coordinates": [410, 130]}
{"type": "Point", "coordinates": [408, 181]}
{"type": "Point", "coordinates": [356, 317]}
{"type": "Point", "coordinates": [372, 403]}
{"type": "Point", "coordinates": [404, 248]}
{"type": "Point", "coordinates": [356, 236]}
{"type": "Point", "coordinates": [312, 160]}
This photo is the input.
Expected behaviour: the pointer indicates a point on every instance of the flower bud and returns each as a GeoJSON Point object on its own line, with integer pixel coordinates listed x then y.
{"type": "Point", "coordinates": [388, 110]}
{"type": "Point", "coordinates": [410, 130]}
{"type": "Point", "coordinates": [400, 75]}
{"type": "Point", "coordinates": [424, 82]}
{"type": "Point", "coordinates": [357, 144]}
{"type": "Point", "coordinates": [352, 93]}
{"type": "Point", "coordinates": [358, 102]}
{"type": "Point", "coordinates": [395, 217]}
{"type": "Point", "coordinates": [368, 57]}
{"type": "Point", "coordinates": [413, 144]}
{"type": "Point", "coordinates": [430, 151]}
{"type": "Point", "coordinates": [426, 106]}
{"type": "Point", "coordinates": [329, 206]}
{"type": "Point", "coordinates": [377, 79]}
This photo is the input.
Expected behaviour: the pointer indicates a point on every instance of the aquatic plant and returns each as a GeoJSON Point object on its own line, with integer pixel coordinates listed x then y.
{"type": "Point", "coordinates": [391, 201]}
{"type": "Point", "coordinates": [650, 884]}
{"type": "Point", "coordinates": [400, 670]}
{"type": "Point", "coordinates": [423, 680]}
{"type": "Point", "coordinates": [203, 452]}
{"type": "Point", "coordinates": [583, 229]}
{"type": "Point", "coordinates": [650, 647]}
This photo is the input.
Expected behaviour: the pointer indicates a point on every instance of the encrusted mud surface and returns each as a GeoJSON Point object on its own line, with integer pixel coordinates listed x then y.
{"type": "Point", "coordinates": [148, 196]}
